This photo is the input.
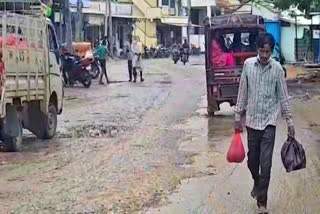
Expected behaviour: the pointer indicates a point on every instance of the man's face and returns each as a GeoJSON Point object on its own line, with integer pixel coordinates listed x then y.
{"type": "Point", "coordinates": [265, 54]}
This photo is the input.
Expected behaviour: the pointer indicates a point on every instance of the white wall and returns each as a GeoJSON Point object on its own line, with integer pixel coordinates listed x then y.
{"type": "Point", "coordinates": [198, 40]}
{"type": "Point", "coordinates": [264, 12]}
{"type": "Point", "coordinates": [288, 35]}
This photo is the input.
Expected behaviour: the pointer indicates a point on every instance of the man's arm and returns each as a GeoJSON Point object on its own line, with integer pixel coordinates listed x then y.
{"type": "Point", "coordinates": [108, 53]}
{"type": "Point", "coordinates": [282, 94]}
{"type": "Point", "coordinates": [96, 51]}
{"type": "Point", "coordinates": [242, 99]}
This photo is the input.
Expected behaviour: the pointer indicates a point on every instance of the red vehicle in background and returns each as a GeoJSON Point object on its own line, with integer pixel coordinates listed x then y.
{"type": "Point", "coordinates": [230, 40]}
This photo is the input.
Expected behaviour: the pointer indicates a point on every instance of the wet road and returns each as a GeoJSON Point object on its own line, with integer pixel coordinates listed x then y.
{"type": "Point", "coordinates": [150, 148]}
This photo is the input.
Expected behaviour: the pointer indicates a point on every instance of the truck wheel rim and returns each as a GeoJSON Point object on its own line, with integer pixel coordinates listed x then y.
{"type": "Point", "coordinates": [51, 121]}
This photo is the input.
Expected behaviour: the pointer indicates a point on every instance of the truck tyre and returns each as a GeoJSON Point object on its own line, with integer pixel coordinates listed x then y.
{"type": "Point", "coordinates": [51, 122]}
{"type": "Point", "coordinates": [12, 144]}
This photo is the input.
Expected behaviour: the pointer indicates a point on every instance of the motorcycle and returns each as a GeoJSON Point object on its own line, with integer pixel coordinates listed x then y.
{"type": "Point", "coordinates": [184, 56]}
{"type": "Point", "coordinates": [175, 55]}
{"type": "Point", "coordinates": [167, 52]}
{"type": "Point", "coordinates": [157, 52]}
{"type": "Point", "coordinates": [147, 53]}
{"type": "Point", "coordinates": [94, 68]}
{"type": "Point", "coordinates": [75, 70]}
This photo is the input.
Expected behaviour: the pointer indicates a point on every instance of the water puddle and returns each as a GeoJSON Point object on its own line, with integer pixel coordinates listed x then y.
{"type": "Point", "coordinates": [165, 82]}
{"type": "Point", "coordinates": [207, 139]}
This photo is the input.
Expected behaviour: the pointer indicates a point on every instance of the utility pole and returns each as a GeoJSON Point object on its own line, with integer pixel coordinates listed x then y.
{"type": "Point", "coordinates": [79, 23]}
{"type": "Point", "coordinates": [189, 23]}
{"type": "Point", "coordinates": [110, 28]}
{"type": "Point", "coordinates": [68, 25]}
{"type": "Point", "coordinates": [106, 9]}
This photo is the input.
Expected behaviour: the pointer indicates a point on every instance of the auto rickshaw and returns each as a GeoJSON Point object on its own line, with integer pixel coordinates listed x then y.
{"type": "Point", "coordinates": [229, 41]}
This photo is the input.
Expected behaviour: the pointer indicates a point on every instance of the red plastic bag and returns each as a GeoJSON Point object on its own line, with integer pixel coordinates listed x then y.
{"type": "Point", "coordinates": [236, 153]}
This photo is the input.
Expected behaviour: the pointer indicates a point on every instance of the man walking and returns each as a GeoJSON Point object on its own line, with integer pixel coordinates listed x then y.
{"type": "Point", "coordinates": [101, 53]}
{"type": "Point", "coordinates": [185, 49]}
{"type": "Point", "coordinates": [130, 56]}
{"type": "Point", "coordinates": [136, 62]}
{"type": "Point", "coordinates": [262, 94]}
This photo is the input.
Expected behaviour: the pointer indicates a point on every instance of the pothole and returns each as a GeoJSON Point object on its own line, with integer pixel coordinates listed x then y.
{"type": "Point", "coordinates": [164, 82]}
{"type": "Point", "coordinates": [156, 74]}
{"type": "Point", "coordinates": [92, 131]}
{"type": "Point", "coordinates": [120, 96]}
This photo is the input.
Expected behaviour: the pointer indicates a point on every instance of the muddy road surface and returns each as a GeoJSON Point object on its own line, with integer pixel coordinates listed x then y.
{"type": "Point", "coordinates": [151, 148]}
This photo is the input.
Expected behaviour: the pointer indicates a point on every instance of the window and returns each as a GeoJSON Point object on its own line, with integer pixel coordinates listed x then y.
{"type": "Point", "coordinates": [172, 4]}
{"type": "Point", "coordinates": [165, 2]}
{"type": "Point", "coordinates": [231, 47]}
{"type": "Point", "coordinates": [52, 40]}
{"type": "Point", "coordinates": [53, 43]}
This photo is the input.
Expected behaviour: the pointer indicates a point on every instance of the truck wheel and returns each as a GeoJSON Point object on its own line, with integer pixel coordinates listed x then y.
{"type": "Point", "coordinates": [12, 144]}
{"type": "Point", "coordinates": [51, 123]}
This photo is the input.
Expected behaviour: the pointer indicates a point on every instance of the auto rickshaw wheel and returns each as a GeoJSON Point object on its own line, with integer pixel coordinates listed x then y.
{"type": "Point", "coordinates": [212, 107]}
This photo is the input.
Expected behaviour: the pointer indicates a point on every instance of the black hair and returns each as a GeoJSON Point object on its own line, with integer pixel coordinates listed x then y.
{"type": "Point", "coordinates": [265, 39]}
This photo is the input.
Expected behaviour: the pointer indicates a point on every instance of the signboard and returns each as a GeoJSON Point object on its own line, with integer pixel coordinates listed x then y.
{"type": "Point", "coordinates": [96, 20]}
{"type": "Point", "coordinates": [199, 3]}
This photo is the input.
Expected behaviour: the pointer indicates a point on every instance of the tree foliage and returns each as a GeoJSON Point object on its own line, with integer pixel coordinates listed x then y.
{"type": "Point", "coordinates": [303, 5]}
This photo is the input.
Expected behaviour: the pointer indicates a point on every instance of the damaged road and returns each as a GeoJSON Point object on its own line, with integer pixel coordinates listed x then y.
{"type": "Point", "coordinates": [150, 148]}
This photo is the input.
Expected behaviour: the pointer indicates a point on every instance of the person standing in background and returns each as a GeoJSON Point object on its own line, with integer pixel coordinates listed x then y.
{"type": "Point", "coordinates": [101, 53]}
{"type": "Point", "coordinates": [130, 56]}
{"type": "Point", "coordinates": [136, 61]}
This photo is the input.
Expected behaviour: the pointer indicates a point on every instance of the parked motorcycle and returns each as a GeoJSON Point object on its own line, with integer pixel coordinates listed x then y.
{"type": "Point", "coordinates": [75, 70]}
{"type": "Point", "coordinates": [157, 52]}
{"type": "Point", "coordinates": [167, 52]}
{"type": "Point", "coordinates": [147, 53]}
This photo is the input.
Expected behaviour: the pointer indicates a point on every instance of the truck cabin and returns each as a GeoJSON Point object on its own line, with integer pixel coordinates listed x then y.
{"type": "Point", "coordinates": [19, 36]}
{"type": "Point", "coordinates": [231, 40]}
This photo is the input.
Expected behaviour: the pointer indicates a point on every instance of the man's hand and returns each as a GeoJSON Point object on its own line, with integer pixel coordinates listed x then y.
{"type": "Point", "coordinates": [238, 126]}
{"type": "Point", "coordinates": [291, 132]}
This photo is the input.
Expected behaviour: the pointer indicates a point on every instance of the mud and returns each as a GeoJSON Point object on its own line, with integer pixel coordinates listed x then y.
{"type": "Point", "coordinates": [151, 148]}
